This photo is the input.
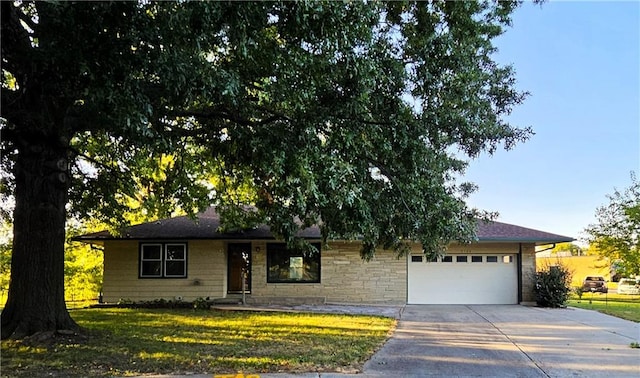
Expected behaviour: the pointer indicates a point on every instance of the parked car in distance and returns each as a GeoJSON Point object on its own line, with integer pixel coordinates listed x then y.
{"type": "Point", "coordinates": [594, 284]}
{"type": "Point", "coordinates": [629, 286]}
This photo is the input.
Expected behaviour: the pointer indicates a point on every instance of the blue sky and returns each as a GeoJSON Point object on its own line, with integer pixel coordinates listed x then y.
{"type": "Point", "coordinates": [580, 61]}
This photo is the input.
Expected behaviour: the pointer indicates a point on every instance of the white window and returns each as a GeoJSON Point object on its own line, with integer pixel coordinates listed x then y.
{"type": "Point", "coordinates": [163, 260]}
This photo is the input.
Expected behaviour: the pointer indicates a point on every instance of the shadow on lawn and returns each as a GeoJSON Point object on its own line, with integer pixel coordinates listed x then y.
{"type": "Point", "coordinates": [121, 342]}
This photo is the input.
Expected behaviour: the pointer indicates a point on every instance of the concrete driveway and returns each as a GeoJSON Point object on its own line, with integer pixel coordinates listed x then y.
{"type": "Point", "coordinates": [507, 341]}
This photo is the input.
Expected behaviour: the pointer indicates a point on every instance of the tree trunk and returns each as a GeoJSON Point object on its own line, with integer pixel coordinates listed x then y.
{"type": "Point", "coordinates": [36, 292]}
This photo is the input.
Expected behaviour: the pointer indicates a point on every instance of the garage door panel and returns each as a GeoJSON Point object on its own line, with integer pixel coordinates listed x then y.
{"type": "Point", "coordinates": [463, 282]}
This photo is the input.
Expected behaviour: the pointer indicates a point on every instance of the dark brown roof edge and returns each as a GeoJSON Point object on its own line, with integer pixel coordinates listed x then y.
{"type": "Point", "coordinates": [208, 223]}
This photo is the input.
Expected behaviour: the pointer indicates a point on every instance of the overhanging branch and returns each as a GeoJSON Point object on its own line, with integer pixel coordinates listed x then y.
{"type": "Point", "coordinates": [226, 115]}
{"type": "Point", "coordinates": [16, 45]}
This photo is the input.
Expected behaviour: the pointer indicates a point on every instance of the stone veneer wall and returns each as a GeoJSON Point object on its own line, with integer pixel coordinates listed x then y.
{"type": "Point", "coordinates": [344, 277]}
{"type": "Point", "coordinates": [528, 273]}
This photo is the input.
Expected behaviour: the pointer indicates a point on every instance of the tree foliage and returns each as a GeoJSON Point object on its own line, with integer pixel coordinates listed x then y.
{"type": "Point", "coordinates": [571, 248]}
{"type": "Point", "coordinates": [616, 234]}
{"type": "Point", "coordinates": [5, 258]}
{"type": "Point", "coordinates": [298, 102]}
{"type": "Point", "coordinates": [83, 266]}
{"type": "Point", "coordinates": [354, 116]}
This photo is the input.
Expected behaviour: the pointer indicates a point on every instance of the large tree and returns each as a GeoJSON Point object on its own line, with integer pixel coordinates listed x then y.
{"type": "Point", "coordinates": [616, 234]}
{"type": "Point", "coordinates": [357, 116]}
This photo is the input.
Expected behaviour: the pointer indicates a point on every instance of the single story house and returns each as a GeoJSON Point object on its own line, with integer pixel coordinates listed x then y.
{"type": "Point", "coordinates": [181, 259]}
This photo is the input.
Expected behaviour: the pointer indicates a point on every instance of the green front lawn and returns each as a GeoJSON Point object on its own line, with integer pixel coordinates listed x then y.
{"type": "Point", "coordinates": [621, 306]}
{"type": "Point", "coordinates": [143, 341]}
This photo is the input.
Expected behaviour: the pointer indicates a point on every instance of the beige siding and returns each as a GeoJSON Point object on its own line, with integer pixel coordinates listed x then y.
{"type": "Point", "coordinates": [483, 248]}
{"type": "Point", "coordinates": [206, 274]}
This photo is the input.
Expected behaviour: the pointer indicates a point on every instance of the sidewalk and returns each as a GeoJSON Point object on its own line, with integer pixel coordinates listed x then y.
{"type": "Point", "coordinates": [391, 311]}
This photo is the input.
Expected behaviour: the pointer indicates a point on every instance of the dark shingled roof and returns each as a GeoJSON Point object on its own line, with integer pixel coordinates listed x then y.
{"type": "Point", "coordinates": [182, 228]}
{"type": "Point", "coordinates": [504, 232]}
{"type": "Point", "coordinates": [208, 222]}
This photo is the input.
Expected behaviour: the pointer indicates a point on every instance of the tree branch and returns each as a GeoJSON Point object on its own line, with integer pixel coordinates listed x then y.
{"type": "Point", "coordinates": [16, 45]}
{"type": "Point", "coordinates": [9, 109]}
{"type": "Point", "coordinates": [225, 114]}
{"type": "Point", "coordinates": [118, 173]}
{"type": "Point", "coordinates": [28, 21]}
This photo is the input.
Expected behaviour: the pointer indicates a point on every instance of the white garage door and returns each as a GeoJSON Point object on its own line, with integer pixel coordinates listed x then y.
{"type": "Point", "coordinates": [463, 279]}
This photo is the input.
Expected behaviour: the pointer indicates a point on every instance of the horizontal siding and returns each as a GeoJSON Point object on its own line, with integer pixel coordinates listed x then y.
{"type": "Point", "coordinates": [206, 274]}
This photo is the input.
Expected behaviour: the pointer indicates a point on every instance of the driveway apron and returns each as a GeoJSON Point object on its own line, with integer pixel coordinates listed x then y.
{"type": "Point", "coordinates": [507, 341]}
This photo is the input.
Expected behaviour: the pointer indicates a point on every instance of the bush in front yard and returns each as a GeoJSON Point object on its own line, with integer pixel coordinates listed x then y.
{"type": "Point", "coordinates": [578, 292]}
{"type": "Point", "coordinates": [553, 285]}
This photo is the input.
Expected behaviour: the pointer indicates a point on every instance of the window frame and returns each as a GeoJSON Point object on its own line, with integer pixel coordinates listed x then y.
{"type": "Point", "coordinates": [281, 247]}
{"type": "Point", "coordinates": [164, 249]}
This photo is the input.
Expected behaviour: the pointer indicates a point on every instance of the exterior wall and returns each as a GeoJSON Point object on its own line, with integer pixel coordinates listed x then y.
{"type": "Point", "coordinates": [483, 248]}
{"type": "Point", "coordinates": [344, 277]}
{"type": "Point", "coordinates": [528, 273]}
{"type": "Point", "coordinates": [206, 273]}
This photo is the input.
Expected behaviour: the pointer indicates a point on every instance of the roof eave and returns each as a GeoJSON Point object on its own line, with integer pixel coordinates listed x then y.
{"type": "Point", "coordinates": [244, 237]}
{"type": "Point", "coordinates": [225, 237]}
{"type": "Point", "coordinates": [527, 240]}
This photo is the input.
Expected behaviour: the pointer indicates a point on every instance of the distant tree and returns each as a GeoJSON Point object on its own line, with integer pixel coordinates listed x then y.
{"type": "Point", "coordinates": [575, 249]}
{"type": "Point", "coordinates": [590, 250]}
{"type": "Point", "coordinates": [83, 265]}
{"type": "Point", "coordinates": [342, 114]}
{"type": "Point", "coordinates": [5, 259]}
{"type": "Point", "coordinates": [616, 235]}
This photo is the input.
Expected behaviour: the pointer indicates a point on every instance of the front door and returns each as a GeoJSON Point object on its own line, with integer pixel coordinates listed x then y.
{"type": "Point", "coordinates": [239, 266]}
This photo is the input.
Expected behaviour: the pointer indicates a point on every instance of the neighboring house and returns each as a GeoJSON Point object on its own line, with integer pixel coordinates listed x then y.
{"type": "Point", "coordinates": [179, 258]}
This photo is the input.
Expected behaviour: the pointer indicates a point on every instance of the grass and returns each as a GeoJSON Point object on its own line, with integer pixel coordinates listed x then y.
{"type": "Point", "coordinates": [128, 342]}
{"type": "Point", "coordinates": [621, 306]}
